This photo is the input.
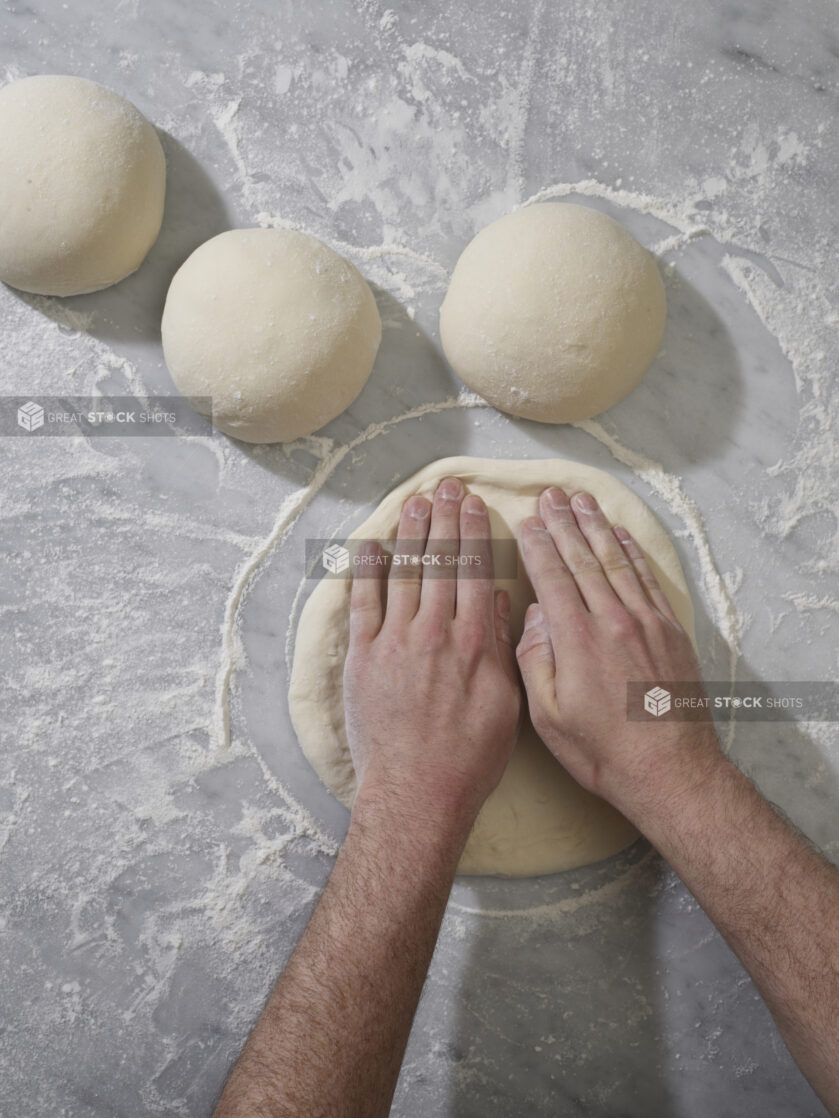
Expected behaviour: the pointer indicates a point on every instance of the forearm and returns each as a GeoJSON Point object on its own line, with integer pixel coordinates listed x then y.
{"type": "Point", "coordinates": [773, 897]}
{"type": "Point", "coordinates": [331, 1038]}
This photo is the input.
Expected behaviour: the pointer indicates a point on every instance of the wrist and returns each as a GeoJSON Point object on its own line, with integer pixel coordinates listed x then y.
{"type": "Point", "coordinates": [431, 816]}
{"type": "Point", "coordinates": [669, 778]}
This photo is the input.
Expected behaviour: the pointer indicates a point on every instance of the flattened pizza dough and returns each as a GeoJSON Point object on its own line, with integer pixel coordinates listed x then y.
{"type": "Point", "coordinates": [538, 820]}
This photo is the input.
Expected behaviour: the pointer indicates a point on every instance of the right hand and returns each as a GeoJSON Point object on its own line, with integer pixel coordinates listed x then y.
{"type": "Point", "coordinates": [431, 692]}
{"type": "Point", "coordinates": [602, 619]}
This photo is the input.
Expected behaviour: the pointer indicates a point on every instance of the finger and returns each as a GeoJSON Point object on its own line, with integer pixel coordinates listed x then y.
{"type": "Point", "coordinates": [439, 583]}
{"type": "Point", "coordinates": [607, 549]}
{"type": "Point", "coordinates": [535, 655]}
{"type": "Point", "coordinates": [475, 574]}
{"type": "Point", "coordinates": [366, 595]}
{"type": "Point", "coordinates": [404, 580]}
{"type": "Point", "coordinates": [559, 516]}
{"type": "Point", "coordinates": [503, 633]}
{"type": "Point", "coordinates": [644, 573]}
{"type": "Point", "coordinates": [553, 583]}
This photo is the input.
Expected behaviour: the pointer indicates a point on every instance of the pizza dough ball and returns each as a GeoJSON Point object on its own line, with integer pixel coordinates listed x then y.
{"type": "Point", "coordinates": [82, 181]}
{"type": "Point", "coordinates": [276, 327]}
{"type": "Point", "coordinates": [554, 313]}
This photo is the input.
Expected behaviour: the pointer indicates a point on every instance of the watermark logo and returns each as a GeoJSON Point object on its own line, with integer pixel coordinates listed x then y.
{"type": "Point", "coordinates": [743, 700]}
{"type": "Point", "coordinates": [657, 701]}
{"type": "Point", "coordinates": [409, 559]}
{"type": "Point", "coordinates": [30, 416]}
{"type": "Point", "coordinates": [335, 559]}
{"type": "Point", "coordinates": [105, 416]}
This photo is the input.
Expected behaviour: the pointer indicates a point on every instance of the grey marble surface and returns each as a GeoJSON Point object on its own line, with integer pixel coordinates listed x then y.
{"type": "Point", "coordinates": [154, 877]}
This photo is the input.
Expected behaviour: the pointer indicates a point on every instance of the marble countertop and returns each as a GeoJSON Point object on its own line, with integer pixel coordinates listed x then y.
{"type": "Point", "coordinates": [162, 840]}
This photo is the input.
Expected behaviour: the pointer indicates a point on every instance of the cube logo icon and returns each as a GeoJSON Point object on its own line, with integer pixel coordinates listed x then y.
{"type": "Point", "coordinates": [30, 416]}
{"type": "Point", "coordinates": [657, 701]}
{"type": "Point", "coordinates": [336, 558]}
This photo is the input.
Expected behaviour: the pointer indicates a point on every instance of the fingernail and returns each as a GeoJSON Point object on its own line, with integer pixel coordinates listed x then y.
{"type": "Point", "coordinates": [473, 504]}
{"type": "Point", "coordinates": [621, 533]}
{"type": "Point", "coordinates": [504, 606]}
{"type": "Point", "coordinates": [450, 489]}
{"type": "Point", "coordinates": [584, 502]}
{"type": "Point", "coordinates": [531, 618]}
{"type": "Point", "coordinates": [557, 499]}
{"type": "Point", "coordinates": [534, 524]}
{"type": "Point", "coordinates": [418, 508]}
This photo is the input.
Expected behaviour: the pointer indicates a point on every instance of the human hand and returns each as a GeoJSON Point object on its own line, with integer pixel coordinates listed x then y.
{"type": "Point", "coordinates": [431, 690]}
{"type": "Point", "coordinates": [601, 620]}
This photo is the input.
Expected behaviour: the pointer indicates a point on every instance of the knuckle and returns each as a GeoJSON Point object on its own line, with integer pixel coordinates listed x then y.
{"type": "Point", "coordinates": [555, 575]}
{"type": "Point", "coordinates": [473, 631]}
{"type": "Point", "coordinates": [563, 518]}
{"type": "Point", "coordinates": [443, 547]}
{"type": "Point", "coordinates": [434, 634]}
{"type": "Point", "coordinates": [408, 575]}
{"type": "Point", "coordinates": [584, 563]}
{"type": "Point", "coordinates": [613, 563]}
{"type": "Point", "coordinates": [389, 644]}
{"type": "Point", "coordinates": [582, 631]}
{"type": "Point", "coordinates": [624, 626]}
{"type": "Point", "coordinates": [532, 639]}
{"type": "Point", "coordinates": [362, 607]}
{"type": "Point", "coordinates": [534, 534]}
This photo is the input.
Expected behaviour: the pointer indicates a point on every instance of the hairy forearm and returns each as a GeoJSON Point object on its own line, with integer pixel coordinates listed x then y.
{"type": "Point", "coordinates": [331, 1038]}
{"type": "Point", "coordinates": [773, 897]}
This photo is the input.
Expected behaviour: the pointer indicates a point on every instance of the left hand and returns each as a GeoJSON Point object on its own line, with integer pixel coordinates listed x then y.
{"type": "Point", "coordinates": [431, 689]}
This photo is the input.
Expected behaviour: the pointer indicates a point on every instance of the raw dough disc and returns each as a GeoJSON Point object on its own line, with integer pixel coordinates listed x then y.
{"type": "Point", "coordinates": [538, 820]}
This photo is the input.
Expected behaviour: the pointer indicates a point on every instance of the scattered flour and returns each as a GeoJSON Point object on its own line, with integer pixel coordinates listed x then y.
{"type": "Point", "coordinates": [126, 782]}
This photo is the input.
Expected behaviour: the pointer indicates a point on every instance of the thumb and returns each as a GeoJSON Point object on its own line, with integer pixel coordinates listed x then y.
{"type": "Point", "coordinates": [536, 660]}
